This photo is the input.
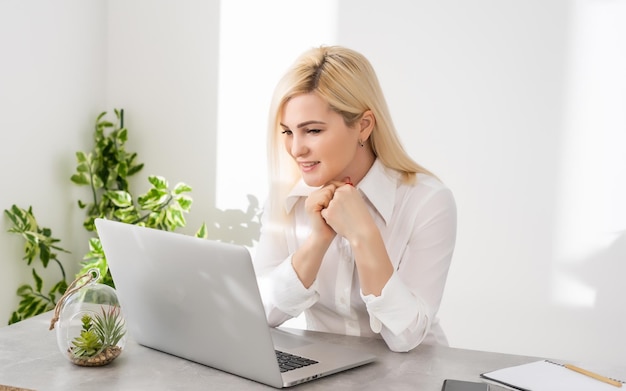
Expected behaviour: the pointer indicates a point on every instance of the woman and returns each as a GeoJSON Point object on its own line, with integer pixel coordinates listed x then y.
{"type": "Point", "coordinates": [355, 234]}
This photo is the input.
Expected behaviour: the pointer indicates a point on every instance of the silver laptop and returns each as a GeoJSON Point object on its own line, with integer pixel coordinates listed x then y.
{"type": "Point", "coordinates": [198, 299]}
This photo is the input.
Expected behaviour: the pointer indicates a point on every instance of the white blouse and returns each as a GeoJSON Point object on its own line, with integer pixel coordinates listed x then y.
{"type": "Point", "coordinates": [418, 225]}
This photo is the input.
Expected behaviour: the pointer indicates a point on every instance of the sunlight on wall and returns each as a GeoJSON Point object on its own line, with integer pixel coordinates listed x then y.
{"type": "Point", "coordinates": [592, 188]}
{"type": "Point", "coordinates": [258, 41]}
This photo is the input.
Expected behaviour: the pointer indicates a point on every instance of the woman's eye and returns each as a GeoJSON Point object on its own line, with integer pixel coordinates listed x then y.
{"type": "Point", "coordinates": [287, 132]}
{"type": "Point", "coordinates": [314, 131]}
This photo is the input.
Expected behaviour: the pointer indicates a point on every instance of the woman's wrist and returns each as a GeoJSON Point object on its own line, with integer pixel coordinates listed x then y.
{"type": "Point", "coordinates": [363, 235]}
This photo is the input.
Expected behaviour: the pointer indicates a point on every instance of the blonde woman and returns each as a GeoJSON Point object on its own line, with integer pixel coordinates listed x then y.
{"type": "Point", "coordinates": [355, 234]}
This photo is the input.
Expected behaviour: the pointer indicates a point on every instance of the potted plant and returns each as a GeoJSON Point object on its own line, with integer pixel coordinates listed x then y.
{"type": "Point", "coordinates": [99, 340]}
{"type": "Point", "coordinates": [105, 170]}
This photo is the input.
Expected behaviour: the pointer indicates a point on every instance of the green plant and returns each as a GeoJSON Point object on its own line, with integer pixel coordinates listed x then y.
{"type": "Point", "coordinates": [105, 170]}
{"type": "Point", "coordinates": [99, 336]}
{"type": "Point", "coordinates": [88, 343]}
{"type": "Point", "coordinates": [39, 244]}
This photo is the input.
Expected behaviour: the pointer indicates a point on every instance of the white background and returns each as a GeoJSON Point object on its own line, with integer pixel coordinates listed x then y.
{"type": "Point", "coordinates": [517, 105]}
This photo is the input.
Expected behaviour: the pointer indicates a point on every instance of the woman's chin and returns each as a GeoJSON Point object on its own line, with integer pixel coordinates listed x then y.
{"type": "Point", "coordinates": [314, 181]}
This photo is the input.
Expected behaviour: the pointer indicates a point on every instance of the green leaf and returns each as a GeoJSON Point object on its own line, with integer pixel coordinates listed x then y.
{"type": "Point", "coordinates": [82, 157]}
{"type": "Point", "coordinates": [26, 302]}
{"type": "Point", "coordinates": [185, 203]}
{"type": "Point", "coordinates": [120, 198]}
{"type": "Point", "coordinates": [95, 245]}
{"type": "Point", "coordinates": [97, 182]}
{"type": "Point", "coordinates": [60, 288]}
{"type": "Point", "coordinates": [158, 182]}
{"type": "Point", "coordinates": [122, 136]}
{"type": "Point", "coordinates": [122, 169]}
{"type": "Point", "coordinates": [181, 188]}
{"type": "Point", "coordinates": [14, 318]}
{"type": "Point", "coordinates": [29, 310]}
{"type": "Point", "coordinates": [82, 167]}
{"type": "Point", "coordinates": [153, 200]}
{"type": "Point", "coordinates": [100, 116]}
{"type": "Point", "coordinates": [44, 306]}
{"type": "Point", "coordinates": [175, 219]}
{"type": "Point", "coordinates": [24, 290]}
{"type": "Point", "coordinates": [44, 254]}
{"type": "Point", "coordinates": [105, 124]}
{"type": "Point", "coordinates": [134, 169]}
{"type": "Point", "coordinates": [202, 232]}
{"type": "Point", "coordinates": [31, 237]}
{"type": "Point", "coordinates": [126, 215]}
{"type": "Point", "coordinates": [12, 215]}
{"type": "Point", "coordinates": [38, 281]}
{"type": "Point", "coordinates": [80, 179]}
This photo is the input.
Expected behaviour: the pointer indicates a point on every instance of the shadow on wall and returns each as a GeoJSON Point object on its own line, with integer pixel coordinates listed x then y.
{"type": "Point", "coordinates": [235, 225]}
{"type": "Point", "coordinates": [604, 271]}
{"type": "Point", "coordinates": [600, 316]}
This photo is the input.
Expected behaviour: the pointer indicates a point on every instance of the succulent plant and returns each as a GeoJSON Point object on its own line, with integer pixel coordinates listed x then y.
{"type": "Point", "coordinates": [99, 337]}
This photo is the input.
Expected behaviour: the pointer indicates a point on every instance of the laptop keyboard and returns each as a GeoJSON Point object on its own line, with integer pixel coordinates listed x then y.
{"type": "Point", "coordinates": [288, 362]}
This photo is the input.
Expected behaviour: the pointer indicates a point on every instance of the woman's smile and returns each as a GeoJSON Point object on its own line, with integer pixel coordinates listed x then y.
{"type": "Point", "coordinates": [308, 166]}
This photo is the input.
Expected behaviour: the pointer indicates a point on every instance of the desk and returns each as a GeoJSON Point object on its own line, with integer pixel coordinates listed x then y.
{"type": "Point", "coordinates": [29, 358]}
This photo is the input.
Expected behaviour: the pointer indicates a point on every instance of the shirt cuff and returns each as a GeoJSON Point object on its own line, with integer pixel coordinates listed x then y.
{"type": "Point", "coordinates": [289, 294]}
{"type": "Point", "coordinates": [396, 307]}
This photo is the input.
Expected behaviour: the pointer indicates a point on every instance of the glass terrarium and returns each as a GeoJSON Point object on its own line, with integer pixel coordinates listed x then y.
{"type": "Point", "coordinates": [91, 329]}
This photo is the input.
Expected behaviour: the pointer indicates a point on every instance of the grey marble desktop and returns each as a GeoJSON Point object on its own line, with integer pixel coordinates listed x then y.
{"type": "Point", "coordinates": [30, 358]}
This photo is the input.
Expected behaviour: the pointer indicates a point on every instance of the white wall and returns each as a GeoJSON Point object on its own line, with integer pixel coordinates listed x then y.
{"type": "Point", "coordinates": [519, 107]}
{"type": "Point", "coordinates": [162, 69]}
{"type": "Point", "coordinates": [52, 87]}
{"type": "Point", "coordinates": [514, 104]}
{"type": "Point", "coordinates": [476, 89]}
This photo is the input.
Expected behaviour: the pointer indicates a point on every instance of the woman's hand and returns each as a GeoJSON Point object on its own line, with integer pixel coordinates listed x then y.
{"type": "Point", "coordinates": [307, 260]}
{"type": "Point", "coordinates": [346, 212]}
{"type": "Point", "coordinates": [315, 203]}
{"type": "Point", "coordinates": [338, 208]}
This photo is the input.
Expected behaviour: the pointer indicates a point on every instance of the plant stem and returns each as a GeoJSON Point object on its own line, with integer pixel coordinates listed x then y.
{"type": "Point", "coordinates": [93, 188]}
{"type": "Point", "coordinates": [46, 298]}
{"type": "Point", "coordinates": [61, 267]}
{"type": "Point", "coordinates": [163, 206]}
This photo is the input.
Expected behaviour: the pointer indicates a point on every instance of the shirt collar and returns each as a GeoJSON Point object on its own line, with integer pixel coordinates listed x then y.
{"type": "Point", "coordinates": [378, 187]}
{"type": "Point", "coordinates": [301, 189]}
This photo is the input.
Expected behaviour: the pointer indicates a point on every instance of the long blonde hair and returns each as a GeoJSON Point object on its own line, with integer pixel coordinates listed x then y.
{"type": "Point", "coordinates": [347, 81]}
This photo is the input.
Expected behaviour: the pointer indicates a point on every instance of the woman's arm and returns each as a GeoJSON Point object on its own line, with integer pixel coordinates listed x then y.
{"type": "Point", "coordinates": [349, 216]}
{"type": "Point", "coordinates": [402, 300]}
{"type": "Point", "coordinates": [411, 299]}
{"type": "Point", "coordinates": [287, 281]}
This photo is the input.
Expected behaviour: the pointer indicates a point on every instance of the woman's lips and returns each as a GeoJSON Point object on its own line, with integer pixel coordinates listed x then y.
{"type": "Point", "coordinates": [308, 166]}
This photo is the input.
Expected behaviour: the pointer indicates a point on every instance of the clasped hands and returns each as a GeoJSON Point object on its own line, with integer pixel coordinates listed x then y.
{"type": "Point", "coordinates": [337, 208]}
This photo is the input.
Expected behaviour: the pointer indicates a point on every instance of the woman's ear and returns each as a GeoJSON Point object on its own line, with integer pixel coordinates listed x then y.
{"type": "Point", "coordinates": [366, 125]}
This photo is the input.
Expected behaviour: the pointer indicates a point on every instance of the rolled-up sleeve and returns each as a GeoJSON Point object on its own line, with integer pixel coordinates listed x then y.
{"type": "Point", "coordinates": [283, 294]}
{"type": "Point", "coordinates": [404, 316]}
{"type": "Point", "coordinates": [404, 312]}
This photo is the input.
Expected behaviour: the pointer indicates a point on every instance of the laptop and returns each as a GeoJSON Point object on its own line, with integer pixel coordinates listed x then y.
{"type": "Point", "coordinates": [198, 299]}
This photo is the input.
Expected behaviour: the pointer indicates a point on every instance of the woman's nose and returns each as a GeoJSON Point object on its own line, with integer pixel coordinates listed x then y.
{"type": "Point", "coordinates": [298, 146]}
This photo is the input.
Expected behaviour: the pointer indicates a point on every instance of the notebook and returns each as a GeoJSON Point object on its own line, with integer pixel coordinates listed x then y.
{"type": "Point", "coordinates": [545, 375]}
{"type": "Point", "coordinates": [198, 299]}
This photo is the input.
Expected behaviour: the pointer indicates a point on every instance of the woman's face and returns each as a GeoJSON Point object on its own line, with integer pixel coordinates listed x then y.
{"type": "Point", "coordinates": [318, 139]}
